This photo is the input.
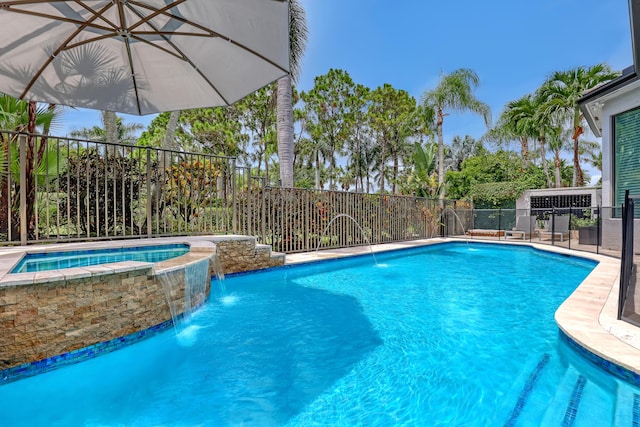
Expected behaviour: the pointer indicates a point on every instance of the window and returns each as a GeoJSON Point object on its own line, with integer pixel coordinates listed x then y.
{"type": "Point", "coordinates": [626, 139]}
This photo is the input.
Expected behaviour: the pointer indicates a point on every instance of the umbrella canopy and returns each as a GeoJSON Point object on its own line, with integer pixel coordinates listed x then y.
{"type": "Point", "coordinates": [142, 56]}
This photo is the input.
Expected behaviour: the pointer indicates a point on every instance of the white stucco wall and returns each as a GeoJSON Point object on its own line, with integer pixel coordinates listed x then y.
{"type": "Point", "coordinates": [613, 104]}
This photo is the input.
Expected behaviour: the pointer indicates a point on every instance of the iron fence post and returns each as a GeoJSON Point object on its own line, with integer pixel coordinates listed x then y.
{"type": "Point", "coordinates": [598, 230]}
{"type": "Point", "coordinates": [149, 195]}
{"type": "Point", "coordinates": [570, 230]}
{"type": "Point", "coordinates": [263, 214]}
{"type": "Point", "coordinates": [625, 254]}
{"type": "Point", "coordinates": [23, 189]}
{"type": "Point", "coordinates": [553, 226]}
{"type": "Point", "coordinates": [234, 205]}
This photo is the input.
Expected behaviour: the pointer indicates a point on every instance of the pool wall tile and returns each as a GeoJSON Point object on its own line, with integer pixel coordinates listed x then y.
{"type": "Point", "coordinates": [616, 370]}
{"type": "Point", "coordinates": [574, 404]}
{"type": "Point", "coordinates": [41, 366]}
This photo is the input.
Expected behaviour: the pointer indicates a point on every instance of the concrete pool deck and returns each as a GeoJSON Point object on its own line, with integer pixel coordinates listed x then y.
{"type": "Point", "coordinates": [588, 316]}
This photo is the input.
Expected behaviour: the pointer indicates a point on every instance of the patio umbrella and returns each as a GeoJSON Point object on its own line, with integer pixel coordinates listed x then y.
{"type": "Point", "coordinates": [141, 56]}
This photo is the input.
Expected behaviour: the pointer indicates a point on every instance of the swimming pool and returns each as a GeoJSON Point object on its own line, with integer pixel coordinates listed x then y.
{"type": "Point", "coordinates": [44, 261]}
{"type": "Point", "coordinates": [452, 334]}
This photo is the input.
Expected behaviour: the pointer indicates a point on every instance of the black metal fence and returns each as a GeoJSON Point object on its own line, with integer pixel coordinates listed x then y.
{"type": "Point", "coordinates": [574, 227]}
{"type": "Point", "coordinates": [56, 189]}
{"type": "Point", "coordinates": [627, 298]}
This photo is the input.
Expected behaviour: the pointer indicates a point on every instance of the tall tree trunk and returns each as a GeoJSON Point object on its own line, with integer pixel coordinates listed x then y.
{"type": "Point", "coordinates": [4, 186]}
{"type": "Point", "coordinates": [396, 167]}
{"type": "Point", "coordinates": [383, 160]}
{"type": "Point", "coordinates": [332, 172]}
{"type": "Point", "coordinates": [164, 162]}
{"type": "Point", "coordinates": [172, 126]}
{"type": "Point", "coordinates": [317, 163]}
{"type": "Point", "coordinates": [543, 157]}
{"type": "Point", "coordinates": [524, 143]}
{"type": "Point", "coordinates": [285, 130]}
{"type": "Point", "coordinates": [110, 130]}
{"type": "Point", "coordinates": [439, 122]}
{"type": "Point", "coordinates": [578, 175]}
{"type": "Point", "coordinates": [30, 168]}
{"type": "Point", "coordinates": [558, 165]}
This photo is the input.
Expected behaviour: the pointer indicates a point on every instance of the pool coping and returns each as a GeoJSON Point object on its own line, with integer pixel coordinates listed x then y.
{"type": "Point", "coordinates": [588, 317]}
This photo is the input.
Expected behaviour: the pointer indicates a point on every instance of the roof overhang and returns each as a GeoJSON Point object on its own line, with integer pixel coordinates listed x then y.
{"type": "Point", "coordinates": [592, 101]}
{"type": "Point", "coordinates": [634, 17]}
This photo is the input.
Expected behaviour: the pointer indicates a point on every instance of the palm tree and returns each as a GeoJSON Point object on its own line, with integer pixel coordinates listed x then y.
{"type": "Point", "coordinates": [544, 119]}
{"type": "Point", "coordinates": [422, 180]}
{"type": "Point", "coordinates": [562, 91]}
{"type": "Point", "coordinates": [124, 132]}
{"type": "Point", "coordinates": [297, 43]}
{"type": "Point", "coordinates": [518, 121]}
{"type": "Point", "coordinates": [594, 156]}
{"type": "Point", "coordinates": [23, 116]}
{"type": "Point", "coordinates": [556, 141]}
{"type": "Point", "coordinates": [455, 92]}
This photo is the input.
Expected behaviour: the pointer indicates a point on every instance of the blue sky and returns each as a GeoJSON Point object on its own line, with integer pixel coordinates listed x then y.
{"type": "Point", "coordinates": [512, 45]}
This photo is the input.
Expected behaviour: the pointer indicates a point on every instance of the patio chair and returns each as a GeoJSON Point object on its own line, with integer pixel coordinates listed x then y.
{"type": "Point", "coordinates": [560, 228]}
{"type": "Point", "coordinates": [523, 228]}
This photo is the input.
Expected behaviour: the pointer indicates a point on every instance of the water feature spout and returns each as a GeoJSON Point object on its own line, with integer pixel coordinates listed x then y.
{"type": "Point", "coordinates": [219, 273]}
{"type": "Point", "coordinates": [364, 235]}
{"type": "Point", "coordinates": [459, 220]}
{"type": "Point", "coordinates": [185, 290]}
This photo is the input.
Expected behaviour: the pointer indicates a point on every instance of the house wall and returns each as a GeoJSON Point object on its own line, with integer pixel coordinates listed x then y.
{"type": "Point", "coordinates": [623, 100]}
{"type": "Point", "coordinates": [615, 105]}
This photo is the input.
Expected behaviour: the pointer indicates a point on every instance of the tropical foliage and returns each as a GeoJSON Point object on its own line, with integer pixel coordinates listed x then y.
{"type": "Point", "coordinates": [349, 137]}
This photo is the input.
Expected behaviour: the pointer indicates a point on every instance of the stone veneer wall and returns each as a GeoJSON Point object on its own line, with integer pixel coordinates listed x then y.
{"type": "Point", "coordinates": [57, 316]}
{"type": "Point", "coordinates": [244, 255]}
{"type": "Point", "coordinates": [46, 319]}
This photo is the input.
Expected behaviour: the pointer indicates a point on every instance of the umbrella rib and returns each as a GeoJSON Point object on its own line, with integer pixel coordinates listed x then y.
{"type": "Point", "coordinates": [140, 39]}
{"type": "Point", "coordinates": [184, 57]}
{"type": "Point", "coordinates": [169, 33]}
{"type": "Point", "coordinates": [56, 18]}
{"type": "Point", "coordinates": [60, 49]}
{"type": "Point", "coordinates": [213, 34]}
{"type": "Point", "coordinates": [93, 11]}
{"type": "Point", "coordinates": [146, 19]}
{"type": "Point", "coordinates": [123, 27]}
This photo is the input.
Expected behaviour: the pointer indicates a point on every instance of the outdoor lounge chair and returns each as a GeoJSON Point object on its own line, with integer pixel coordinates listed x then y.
{"type": "Point", "coordinates": [523, 228]}
{"type": "Point", "coordinates": [560, 228]}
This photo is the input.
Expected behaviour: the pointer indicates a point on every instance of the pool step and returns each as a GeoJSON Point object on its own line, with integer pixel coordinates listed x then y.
{"type": "Point", "coordinates": [244, 253]}
{"type": "Point", "coordinates": [564, 406]}
{"type": "Point", "coordinates": [529, 376]}
{"type": "Point", "coordinates": [626, 402]}
{"type": "Point", "coordinates": [577, 400]}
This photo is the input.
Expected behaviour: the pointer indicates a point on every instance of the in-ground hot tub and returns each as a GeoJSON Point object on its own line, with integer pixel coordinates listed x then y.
{"type": "Point", "coordinates": [45, 261]}
{"type": "Point", "coordinates": [62, 303]}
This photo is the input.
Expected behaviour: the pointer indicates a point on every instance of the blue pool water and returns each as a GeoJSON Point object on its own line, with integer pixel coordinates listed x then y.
{"type": "Point", "coordinates": [82, 258]}
{"type": "Point", "coordinates": [450, 335]}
